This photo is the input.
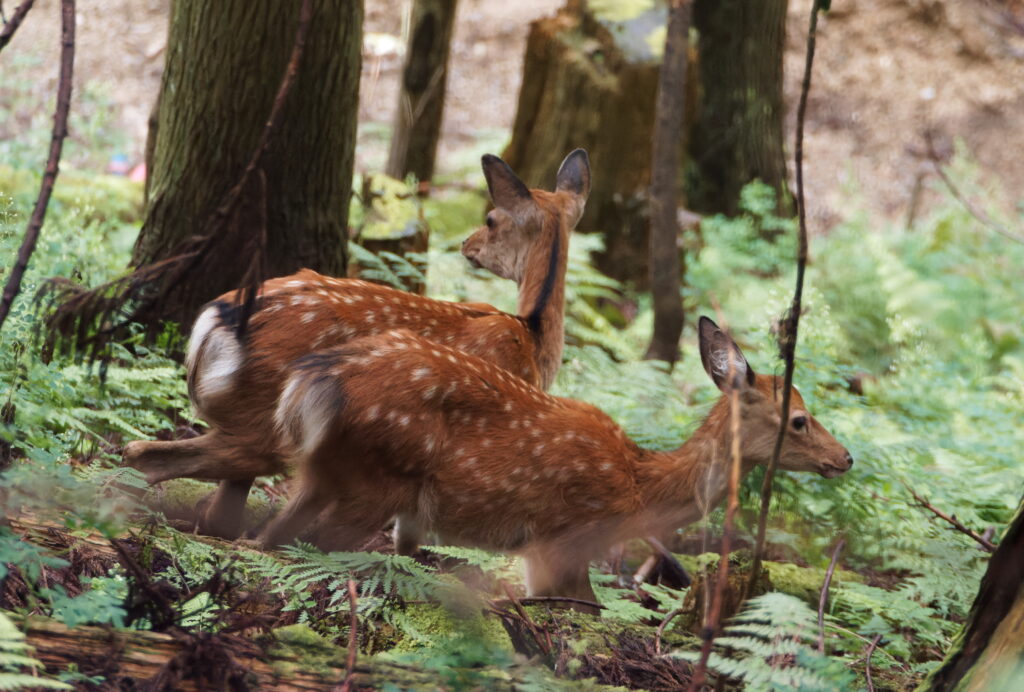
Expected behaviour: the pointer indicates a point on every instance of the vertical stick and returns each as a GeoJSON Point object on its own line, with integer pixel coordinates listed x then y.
{"type": "Point", "coordinates": [787, 337]}
{"type": "Point", "coordinates": [60, 131]}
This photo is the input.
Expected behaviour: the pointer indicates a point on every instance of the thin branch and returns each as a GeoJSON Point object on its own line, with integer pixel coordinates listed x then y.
{"type": "Point", "coordinates": [661, 628]}
{"type": "Point", "coordinates": [60, 131]}
{"type": "Point", "coordinates": [353, 638]}
{"type": "Point", "coordinates": [824, 594]}
{"type": "Point", "coordinates": [545, 646]}
{"type": "Point", "coordinates": [546, 599]}
{"type": "Point", "coordinates": [790, 324]}
{"type": "Point", "coordinates": [986, 544]}
{"type": "Point", "coordinates": [11, 25]}
{"type": "Point", "coordinates": [975, 211]}
{"type": "Point", "coordinates": [867, 662]}
{"type": "Point", "coordinates": [148, 285]}
{"type": "Point", "coordinates": [722, 578]}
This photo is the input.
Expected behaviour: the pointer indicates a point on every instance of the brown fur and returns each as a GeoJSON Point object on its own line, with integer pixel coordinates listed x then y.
{"type": "Point", "coordinates": [308, 311]}
{"type": "Point", "coordinates": [485, 459]}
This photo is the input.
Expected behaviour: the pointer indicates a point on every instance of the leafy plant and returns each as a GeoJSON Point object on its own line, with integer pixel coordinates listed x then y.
{"type": "Point", "coordinates": [16, 657]}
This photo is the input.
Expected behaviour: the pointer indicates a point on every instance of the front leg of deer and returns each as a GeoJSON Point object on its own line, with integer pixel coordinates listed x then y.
{"type": "Point", "coordinates": [226, 509]}
{"type": "Point", "coordinates": [408, 535]}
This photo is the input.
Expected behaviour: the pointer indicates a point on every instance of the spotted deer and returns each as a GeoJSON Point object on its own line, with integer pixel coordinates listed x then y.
{"type": "Point", "coordinates": [398, 424]}
{"type": "Point", "coordinates": [234, 381]}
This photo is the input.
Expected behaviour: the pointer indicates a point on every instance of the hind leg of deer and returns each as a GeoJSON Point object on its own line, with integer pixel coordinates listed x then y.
{"type": "Point", "coordinates": [551, 572]}
{"type": "Point", "coordinates": [226, 508]}
{"type": "Point", "coordinates": [207, 457]}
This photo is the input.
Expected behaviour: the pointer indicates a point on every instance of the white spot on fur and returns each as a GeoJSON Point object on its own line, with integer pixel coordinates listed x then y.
{"type": "Point", "coordinates": [308, 317]}
{"type": "Point", "coordinates": [420, 373]}
{"type": "Point", "coordinates": [429, 392]}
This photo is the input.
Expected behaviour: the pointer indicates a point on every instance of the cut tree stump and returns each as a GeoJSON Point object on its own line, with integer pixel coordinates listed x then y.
{"type": "Point", "coordinates": [581, 88]}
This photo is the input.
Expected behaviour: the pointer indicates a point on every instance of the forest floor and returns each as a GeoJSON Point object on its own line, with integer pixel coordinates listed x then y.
{"type": "Point", "coordinates": [886, 72]}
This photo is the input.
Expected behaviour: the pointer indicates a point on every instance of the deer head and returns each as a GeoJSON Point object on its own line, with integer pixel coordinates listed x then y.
{"type": "Point", "coordinates": [807, 445]}
{"type": "Point", "coordinates": [514, 237]}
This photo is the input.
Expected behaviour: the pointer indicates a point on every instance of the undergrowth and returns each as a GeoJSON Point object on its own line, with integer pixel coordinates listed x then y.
{"type": "Point", "coordinates": [925, 319]}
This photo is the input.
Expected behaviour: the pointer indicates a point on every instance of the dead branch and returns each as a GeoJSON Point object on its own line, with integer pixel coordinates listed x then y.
{"type": "Point", "coordinates": [88, 319]}
{"type": "Point", "coordinates": [661, 628]}
{"type": "Point", "coordinates": [789, 325]}
{"type": "Point", "coordinates": [986, 544]}
{"type": "Point", "coordinates": [60, 131]}
{"type": "Point", "coordinates": [499, 602]}
{"type": "Point", "coordinates": [544, 643]}
{"type": "Point", "coordinates": [824, 594]}
{"type": "Point", "coordinates": [353, 638]}
{"type": "Point", "coordinates": [11, 25]}
{"type": "Point", "coordinates": [977, 212]}
{"type": "Point", "coordinates": [867, 662]}
{"type": "Point", "coordinates": [721, 579]}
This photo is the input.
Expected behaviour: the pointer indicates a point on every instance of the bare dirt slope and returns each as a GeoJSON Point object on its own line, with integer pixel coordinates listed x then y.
{"type": "Point", "coordinates": [886, 71]}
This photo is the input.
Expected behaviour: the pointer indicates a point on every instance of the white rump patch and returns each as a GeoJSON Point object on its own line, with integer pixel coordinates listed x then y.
{"type": "Point", "coordinates": [305, 412]}
{"type": "Point", "coordinates": [214, 356]}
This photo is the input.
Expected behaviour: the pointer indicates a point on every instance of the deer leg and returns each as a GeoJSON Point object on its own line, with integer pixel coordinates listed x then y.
{"type": "Point", "coordinates": [207, 457]}
{"type": "Point", "coordinates": [668, 568]}
{"type": "Point", "coordinates": [408, 534]}
{"type": "Point", "coordinates": [300, 512]}
{"type": "Point", "coordinates": [225, 510]}
{"type": "Point", "coordinates": [552, 573]}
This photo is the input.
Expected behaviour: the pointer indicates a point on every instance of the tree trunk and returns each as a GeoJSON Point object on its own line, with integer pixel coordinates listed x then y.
{"type": "Point", "coordinates": [988, 651]}
{"type": "Point", "coordinates": [580, 90]}
{"type": "Point", "coordinates": [421, 97]}
{"type": "Point", "coordinates": [738, 133]}
{"type": "Point", "coordinates": [225, 63]}
{"type": "Point", "coordinates": [665, 254]}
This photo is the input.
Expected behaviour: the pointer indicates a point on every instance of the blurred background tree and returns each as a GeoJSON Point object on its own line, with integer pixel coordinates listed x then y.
{"type": "Point", "coordinates": [223, 67]}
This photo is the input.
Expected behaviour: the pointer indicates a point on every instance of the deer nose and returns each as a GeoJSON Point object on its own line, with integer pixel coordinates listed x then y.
{"type": "Point", "coordinates": [849, 460]}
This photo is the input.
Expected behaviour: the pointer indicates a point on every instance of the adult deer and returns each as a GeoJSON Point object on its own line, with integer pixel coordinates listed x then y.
{"type": "Point", "coordinates": [234, 381]}
{"type": "Point", "coordinates": [397, 424]}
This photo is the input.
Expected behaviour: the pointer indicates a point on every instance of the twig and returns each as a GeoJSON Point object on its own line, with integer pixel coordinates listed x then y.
{"type": "Point", "coordinates": [986, 544]}
{"type": "Point", "coordinates": [60, 131]}
{"type": "Point", "coordinates": [975, 211]}
{"type": "Point", "coordinates": [824, 594]}
{"type": "Point", "coordinates": [790, 324]}
{"type": "Point", "coordinates": [715, 611]}
{"type": "Point", "coordinates": [661, 628]}
{"type": "Point", "coordinates": [867, 663]}
{"type": "Point", "coordinates": [353, 638]}
{"type": "Point", "coordinates": [11, 25]}
{"type": "Point", "coordinates": [546, 599]}
{"type": "Point", "coordinates": [545, 646]}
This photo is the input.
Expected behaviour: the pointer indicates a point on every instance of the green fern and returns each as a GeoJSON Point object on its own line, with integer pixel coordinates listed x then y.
{"type": "Point", "coordinates": [768, 647]}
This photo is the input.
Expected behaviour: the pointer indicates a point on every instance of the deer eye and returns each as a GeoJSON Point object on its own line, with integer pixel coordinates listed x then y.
{"type": "Point", "coordinates": [799, 423]}
{"type": "Point", "coordinates": [490, 221]}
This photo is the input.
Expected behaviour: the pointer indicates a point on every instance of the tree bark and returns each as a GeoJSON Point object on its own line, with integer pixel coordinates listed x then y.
{"type": "Point", "coordinates": [421, 97]}
{"type": "Point", "coordinates": [991, 643]}
{"type": "Point", "coordinates": [738, 134]}
{"type": "Point", "coordinates": [225, 62]}
{"type": "Point", "coordinates": [666, 268]}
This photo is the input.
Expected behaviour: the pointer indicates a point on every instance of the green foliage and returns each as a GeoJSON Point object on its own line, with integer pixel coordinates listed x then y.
{"type": "Point", "coordinates": [769, 647]}
{"type": "Point", "coordinates": [16, 657]}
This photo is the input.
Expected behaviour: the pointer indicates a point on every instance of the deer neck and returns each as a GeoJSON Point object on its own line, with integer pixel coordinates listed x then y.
{"type": "Point", "coordinates": [681, 486]}
{"type": "Point", "coordinates": [542, 297]}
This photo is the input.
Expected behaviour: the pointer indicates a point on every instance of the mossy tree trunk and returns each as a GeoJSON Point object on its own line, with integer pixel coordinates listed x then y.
{"type": "Point", "coordinates": [225, 62]}
{"type": "Point", "coordinates": [988, 652]}
{"type": "Point", "coordinates": [738, 135]}
{"type": "Point", "coordinates": [421, 97]}
{"type": "Point", "coordinates": [580, 90]}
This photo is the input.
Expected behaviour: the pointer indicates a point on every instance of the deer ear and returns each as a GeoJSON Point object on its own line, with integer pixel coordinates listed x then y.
{"type": "Point", "coordinates": [574, 178]}
{"type": "Point", "coordinates": [506, 189]}
{"type": "Point", "coordinates": [722, 358]}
